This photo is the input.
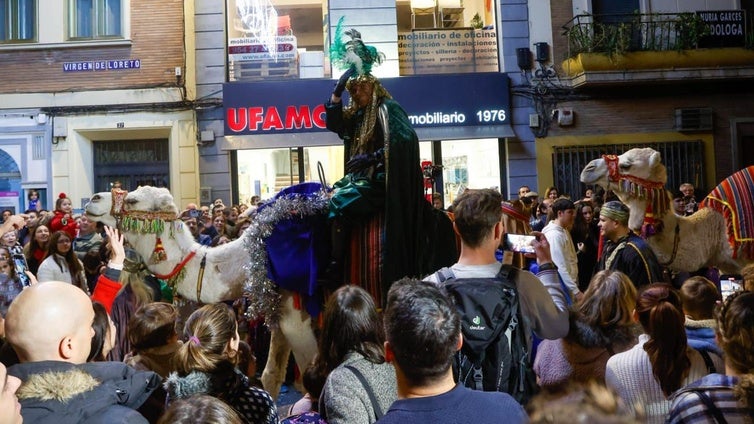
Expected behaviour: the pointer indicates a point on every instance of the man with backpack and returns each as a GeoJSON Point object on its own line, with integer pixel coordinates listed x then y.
{"type": "Point", "coordinates": [500, 305]}
{"type": "Point", "coordinates": [422, 333]}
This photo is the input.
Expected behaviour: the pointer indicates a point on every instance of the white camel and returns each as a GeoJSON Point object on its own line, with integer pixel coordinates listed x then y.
{"type": "Point", "coordinates": [150, 213]}
{"type": "Point", "coordinates": [690, 243]}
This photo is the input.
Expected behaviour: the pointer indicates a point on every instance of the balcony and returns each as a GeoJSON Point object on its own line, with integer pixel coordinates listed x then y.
{"type": "Point", "coordinates": [659, 47]}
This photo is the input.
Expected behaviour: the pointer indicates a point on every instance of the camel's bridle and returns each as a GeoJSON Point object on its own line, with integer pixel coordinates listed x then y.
{"type": "Point", "coordinates": [153, 222]}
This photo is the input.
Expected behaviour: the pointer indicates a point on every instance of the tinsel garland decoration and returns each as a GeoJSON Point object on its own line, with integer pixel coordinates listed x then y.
{"type": "Point", "coordinates": [262, 293]}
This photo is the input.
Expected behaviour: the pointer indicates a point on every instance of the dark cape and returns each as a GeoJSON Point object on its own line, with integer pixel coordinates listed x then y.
{"type": "Point", "coordinates": [418, 238]}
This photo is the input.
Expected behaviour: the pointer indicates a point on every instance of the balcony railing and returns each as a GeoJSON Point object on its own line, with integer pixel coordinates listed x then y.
{"type": "Point", "coordinates": [618, 34]}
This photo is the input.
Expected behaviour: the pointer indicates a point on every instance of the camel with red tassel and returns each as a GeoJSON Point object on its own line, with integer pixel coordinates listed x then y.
{"type": "Point", "coordinates": [149, 220]}
{"type": "Point", "coordinates": [720, 233]}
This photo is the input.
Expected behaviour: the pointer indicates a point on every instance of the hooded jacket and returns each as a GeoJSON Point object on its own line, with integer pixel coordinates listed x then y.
{"type": "Point", "coordinates": [59, 392]}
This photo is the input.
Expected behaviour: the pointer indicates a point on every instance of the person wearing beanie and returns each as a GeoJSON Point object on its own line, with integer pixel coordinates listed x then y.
{"type": "Point", "coordinates": [625, 251]}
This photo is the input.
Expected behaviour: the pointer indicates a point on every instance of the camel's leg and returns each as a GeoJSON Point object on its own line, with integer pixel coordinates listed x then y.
{"type": "Point", "coordinates": [294, 330]}
{"type": "Point", "coordinates": [277, 362]}
{"type": "Point", "coordinates": [297, 328]}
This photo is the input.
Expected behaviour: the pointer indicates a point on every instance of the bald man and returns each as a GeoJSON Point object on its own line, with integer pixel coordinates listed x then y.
{"type": "Point", "coordinates": [49, 326]}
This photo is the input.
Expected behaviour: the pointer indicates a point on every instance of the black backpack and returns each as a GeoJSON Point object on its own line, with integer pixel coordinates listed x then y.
{"type": "Point", "coordinates": [494, 356]}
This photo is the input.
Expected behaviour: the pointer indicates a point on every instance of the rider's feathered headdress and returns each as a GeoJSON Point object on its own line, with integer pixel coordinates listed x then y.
{"type": "Point", "coordinates": [353, 53]}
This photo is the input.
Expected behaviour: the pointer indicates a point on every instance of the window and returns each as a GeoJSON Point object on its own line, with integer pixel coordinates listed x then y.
{"type": "Point", "coordinates": [132, 163]}
{"type": "Point", "coordinates": [94, 19]}
{"type": "Point", "coordinates": [18, 19]}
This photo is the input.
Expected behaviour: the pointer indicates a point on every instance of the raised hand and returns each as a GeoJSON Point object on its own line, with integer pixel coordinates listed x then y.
{"type": "Point", "coordinates": [340, 86]}
{"type": "Point", "coordinates": [117, 251]}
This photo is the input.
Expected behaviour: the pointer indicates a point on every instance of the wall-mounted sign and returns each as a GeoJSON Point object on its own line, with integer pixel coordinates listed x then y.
{"type": "Point", "coordinates": [457, 101]}
{"type": "Point", "coordinates": [9, 200]}
{"type": "Point", "coordinates": [727, 28]}
{"type": "Point", "coordinates": [447, 51]}
{"type": "Point", "coordinates": [252, 49]}
{"type": "Point", "coordinates": [102, 65]}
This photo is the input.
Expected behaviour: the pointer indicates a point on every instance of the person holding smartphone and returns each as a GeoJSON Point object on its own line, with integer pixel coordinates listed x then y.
{"type": "Point", "coordinates": [10, 284]}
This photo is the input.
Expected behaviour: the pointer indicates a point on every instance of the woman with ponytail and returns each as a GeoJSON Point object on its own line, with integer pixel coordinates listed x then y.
{"type": "Point", "coordinates": [662, 362]}
{"type": "Point", "coordinates": [206, 364]}
{"type": "Point", "coordinates": [730, 397]}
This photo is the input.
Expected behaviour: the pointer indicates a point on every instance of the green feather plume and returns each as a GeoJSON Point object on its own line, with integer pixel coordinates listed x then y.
{"type": "Point", "coordinates": [353, 53]}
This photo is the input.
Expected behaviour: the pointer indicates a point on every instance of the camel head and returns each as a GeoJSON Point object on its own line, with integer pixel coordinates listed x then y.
{"type": "Point", "coordinates": [150, 199]}
{"type": "Point", "coordinates": [98, 208]}
{"type": "Point", "coordinates": [622, 174]}
{"type": "Point", "coordinates": [638, 164]}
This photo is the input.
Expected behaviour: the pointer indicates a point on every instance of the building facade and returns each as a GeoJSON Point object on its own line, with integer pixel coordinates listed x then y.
{"type": "Point", "coordinates": [676, 76]}
{"type": "Point", "coordinates": [94, 93]}
{"type": "Point", "coordinates": [562, 111]}
{"type": "Point", "coordinates": [438, 47]}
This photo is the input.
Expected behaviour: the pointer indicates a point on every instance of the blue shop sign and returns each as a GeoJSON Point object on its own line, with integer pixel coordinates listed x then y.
{"type": "Point", "coordinates": [450, 106]}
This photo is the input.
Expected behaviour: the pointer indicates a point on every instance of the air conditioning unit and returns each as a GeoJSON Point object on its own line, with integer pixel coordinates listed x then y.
{"type": "Point", "coordinates": [694, 119]}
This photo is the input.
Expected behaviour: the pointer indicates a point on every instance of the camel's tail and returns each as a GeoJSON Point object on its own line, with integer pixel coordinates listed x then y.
{"type": "Point", "coordinates": [734, 198]}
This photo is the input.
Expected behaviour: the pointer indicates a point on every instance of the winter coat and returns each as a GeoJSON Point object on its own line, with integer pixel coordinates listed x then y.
{"type": "Point", "coordinates": [55, 268]}
{"type": "Point", "coordinates": [60, 223]}
{"type": "Point", "coordinates": [344, 398]}
{"type": "Point", "coordinates": [701, 336]}
{"type": "Point", "coordinates": [59, 392]}
{"type": "Point", "coordinates": [252, 404]}
{"type": "Point", "coordinates": [580, 356]}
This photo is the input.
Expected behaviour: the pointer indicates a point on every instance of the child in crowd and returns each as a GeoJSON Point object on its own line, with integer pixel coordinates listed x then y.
{"type": "Point", "coordinates": [306, 409]}
{"type": "Point", "coordinates": [62, 219]}
{"type": "Point", "coordinates": [154, 339]}
{"type": "Point", "coordinates": [700, 297]}
{"type": "Point", "coordinates": [206, 364]}
{"type": "Point", "coordinates": [34, 203]}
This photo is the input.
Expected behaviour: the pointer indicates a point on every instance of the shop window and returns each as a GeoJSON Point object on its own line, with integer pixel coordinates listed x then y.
{"type": "Point", "coordinates": [447, 36]}
{"type": "Point", "coordinates": [18, 21]}
{"type": "Point", "coordinates": [264, 172]}
{"type": "Point", "coordinates": [275, 39]}
{"type": "Point", "coordinates": [469, 164]}
{"type": "Point", "coordinates": [95, 19]}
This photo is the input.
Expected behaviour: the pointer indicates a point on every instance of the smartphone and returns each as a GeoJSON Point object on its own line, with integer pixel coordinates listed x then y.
{"type": "Point", "coordinates": [519, 243]}
{"type": "Point", "coordinates": [19, 261]}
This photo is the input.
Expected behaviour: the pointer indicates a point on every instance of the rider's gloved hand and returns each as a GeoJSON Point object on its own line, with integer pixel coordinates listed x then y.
{"type": "Point", "coordinates": [361, 162]}
{"type": "Point", "coordinates": [340, 86]}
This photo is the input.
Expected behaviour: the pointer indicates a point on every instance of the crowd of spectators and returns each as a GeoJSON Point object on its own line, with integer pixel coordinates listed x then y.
{"type": "Point", "coordinates": [618, 346]}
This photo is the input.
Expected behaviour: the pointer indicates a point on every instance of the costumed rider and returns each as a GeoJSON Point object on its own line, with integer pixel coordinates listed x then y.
{"type": "Point", "coordinates": [383, 226]}
{"type": "Point", "coordinates": [625, 251]}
